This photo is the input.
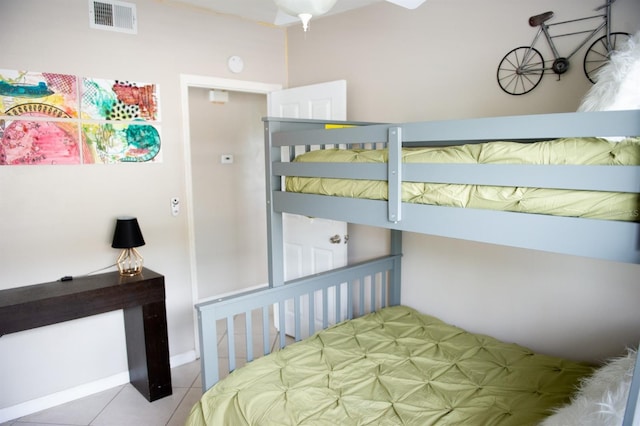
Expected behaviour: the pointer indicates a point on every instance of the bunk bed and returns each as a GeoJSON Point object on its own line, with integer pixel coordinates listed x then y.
{"type": "Point", "coordinates": [366, 335]}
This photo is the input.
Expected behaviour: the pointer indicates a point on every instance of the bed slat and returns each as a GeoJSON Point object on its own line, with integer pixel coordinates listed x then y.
{"type": "Point", "coordinates": [281, 322]}
{"type": "Point", "coordinates": [312, 313]}
{"type": "Point", "coordinates": [248, 332]}
{"type": "Point", "coordinates": [602, 239]}
{"type": "Point", "coordinates": [265, 331]}
{"type": "Point", "coordinates": [296, 313]}
{"type": "Point", "coordinates": [325, 308]}
{"type": "Point", "coordinates": [361, 296]}
{"type": "Point", "coordinates": [631, 414]}
{"type": "Point", "coordinates": [231, 342]}
{"type": "Point", "coordinates": [338, 300]}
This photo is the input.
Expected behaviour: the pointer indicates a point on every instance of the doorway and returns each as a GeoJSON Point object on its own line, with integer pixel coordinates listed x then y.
{"type": "Point", "coordinates": [225, 182]}
{"type": "Point", "coordinates": [208, 278]}
{"type": "Point", "coordinates": [228, 195]}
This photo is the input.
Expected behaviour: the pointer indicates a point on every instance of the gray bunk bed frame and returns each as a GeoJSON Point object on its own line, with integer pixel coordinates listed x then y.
{"type": "Point", "coordinates": [380, 278]}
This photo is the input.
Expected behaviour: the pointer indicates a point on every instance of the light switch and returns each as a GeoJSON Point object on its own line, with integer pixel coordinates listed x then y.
{"type": "Point", "coordinates": [226, 159]}
{"type": "Point", "coordinates": [175, 206]}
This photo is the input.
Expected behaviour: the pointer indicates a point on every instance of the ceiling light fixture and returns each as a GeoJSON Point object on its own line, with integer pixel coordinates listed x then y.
{"type": "Point", "coordinates": [305, 9]}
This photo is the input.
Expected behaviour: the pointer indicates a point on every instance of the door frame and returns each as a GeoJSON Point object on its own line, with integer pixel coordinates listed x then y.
{"type": "Point", "coordinates": [187, 81]}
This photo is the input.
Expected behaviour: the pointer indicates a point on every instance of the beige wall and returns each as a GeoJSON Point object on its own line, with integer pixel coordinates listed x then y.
{"type": "Point", "coordinates": [228, 199]}
{"type": "Point", "coordinates": [59, 220]}
{"type": "Point", "coordinates": [438, 62]}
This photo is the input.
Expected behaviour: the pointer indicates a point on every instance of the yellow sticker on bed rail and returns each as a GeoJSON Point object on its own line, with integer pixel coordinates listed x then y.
{"type": "Point", "coordinates": [338, 126]}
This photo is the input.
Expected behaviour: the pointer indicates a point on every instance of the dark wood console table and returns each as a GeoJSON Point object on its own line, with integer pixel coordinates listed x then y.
{"type": "Point", "coordinates": [141, 298]}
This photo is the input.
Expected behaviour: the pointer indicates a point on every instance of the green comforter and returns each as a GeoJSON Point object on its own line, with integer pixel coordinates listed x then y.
{"type": "Point", "coordinates": [585, 151]}
{"type": "Point", "coordinates": [392, 367]}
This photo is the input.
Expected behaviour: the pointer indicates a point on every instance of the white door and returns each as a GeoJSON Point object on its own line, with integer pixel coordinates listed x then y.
{"type": "Point", "coordinates": [311, 245]}
{"type": "Point", "coordinates": [325, 101]}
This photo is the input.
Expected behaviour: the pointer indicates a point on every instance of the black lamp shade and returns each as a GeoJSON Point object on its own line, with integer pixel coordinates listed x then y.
{"type": "Point", "coordinates": [127, 233]}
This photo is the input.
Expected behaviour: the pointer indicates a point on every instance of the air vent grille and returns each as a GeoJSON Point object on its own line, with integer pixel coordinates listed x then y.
{"type": "Point", "coordinates": [113, 16]}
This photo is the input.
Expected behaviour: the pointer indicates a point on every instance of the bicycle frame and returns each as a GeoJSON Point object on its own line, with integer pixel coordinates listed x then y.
{"type": "Point", "coordinates": [544, 30]}
{"type": "Point", "coordinates": [522, 68]}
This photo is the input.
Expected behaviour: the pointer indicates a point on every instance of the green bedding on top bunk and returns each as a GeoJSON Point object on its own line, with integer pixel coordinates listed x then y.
{"type": "Point", "coordinates": [391, 367]}
{"type": "Point", "coordinates": [584, 151]}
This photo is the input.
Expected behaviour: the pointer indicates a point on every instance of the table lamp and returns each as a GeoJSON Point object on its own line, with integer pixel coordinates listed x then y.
{"type": "Point", "coordinates": [128, 236]}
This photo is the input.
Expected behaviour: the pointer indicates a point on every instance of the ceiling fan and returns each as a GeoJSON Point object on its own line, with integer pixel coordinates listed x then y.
{"type": "Point", "coordinates": [291, 10]}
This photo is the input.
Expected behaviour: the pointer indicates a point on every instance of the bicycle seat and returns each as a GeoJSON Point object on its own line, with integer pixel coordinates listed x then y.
{"type": "Point", "coordinates": [536, 20]}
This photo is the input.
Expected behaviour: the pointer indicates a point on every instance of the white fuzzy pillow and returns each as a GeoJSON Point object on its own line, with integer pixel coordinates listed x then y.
{"type": "Point", "coordinates": [618, 83]}
{"type": "Point", "coordinates": [602, 397]}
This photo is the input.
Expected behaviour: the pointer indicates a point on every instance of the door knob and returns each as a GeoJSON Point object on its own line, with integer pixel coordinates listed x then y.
{"type": "Point", "coordinates": [337, 240]}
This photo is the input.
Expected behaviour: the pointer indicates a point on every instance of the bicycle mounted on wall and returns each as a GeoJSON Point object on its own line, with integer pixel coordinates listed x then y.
{"type": "Point", "coordinates": [521, 70]}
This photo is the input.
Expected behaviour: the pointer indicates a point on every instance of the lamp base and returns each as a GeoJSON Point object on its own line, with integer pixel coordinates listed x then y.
{"type": "Point", "coordinates": [130, 272]}
{"type": "Point", "coordinates": [130, 263]}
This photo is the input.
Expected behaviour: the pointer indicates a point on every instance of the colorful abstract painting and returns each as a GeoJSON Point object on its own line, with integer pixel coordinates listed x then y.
{"type": "Point", "coordinates": [127, 107]}
{"type": "Point", "coordinates": [119, 100]}
{"type": "Point", "coordinates": [39, 142]}
{"type": "Point", "coordinates": [118, 142]}
{"type": "Point", "coordinates": [38, 126]}
{"type": "Point", "coordinates": [44, 120]}
{"type": "Point", "coordinates": [25, 93]}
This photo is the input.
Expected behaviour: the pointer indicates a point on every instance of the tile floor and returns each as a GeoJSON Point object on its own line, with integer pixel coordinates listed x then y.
{"type": "Point", "coordinates": [125, 406]}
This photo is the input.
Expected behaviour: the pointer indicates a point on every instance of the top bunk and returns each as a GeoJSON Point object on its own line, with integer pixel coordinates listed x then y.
{"type": "Point", "coordinates": [388, 159]}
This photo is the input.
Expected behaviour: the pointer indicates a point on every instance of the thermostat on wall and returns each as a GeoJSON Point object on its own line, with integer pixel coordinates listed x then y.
{"type": "Point", "coordinates": [236, 64]}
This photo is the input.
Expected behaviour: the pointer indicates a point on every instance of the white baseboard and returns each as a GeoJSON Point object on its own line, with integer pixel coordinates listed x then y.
{"type": "Point", "coordinates": [62, 397]}
{"type": "Point", "coordinates": [183, 358]}
{"type": "Point", "coordinates": [68, 395]}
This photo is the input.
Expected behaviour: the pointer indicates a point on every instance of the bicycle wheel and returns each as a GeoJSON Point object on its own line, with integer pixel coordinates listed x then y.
{"type": "Point", "coordinates": [521, 70]}
{"type": "Point", "coordinates": [597, 55]}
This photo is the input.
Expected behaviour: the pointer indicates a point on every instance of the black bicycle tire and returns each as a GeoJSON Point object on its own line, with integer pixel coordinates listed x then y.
{"type": "Point", "coordinates": [591, 75]}
{"type": "Point", "coordinates": [534, 84]}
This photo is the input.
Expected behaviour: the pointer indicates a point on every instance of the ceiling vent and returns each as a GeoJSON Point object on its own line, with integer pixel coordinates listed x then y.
{"type": "Point", "coordinates": [113, 15]}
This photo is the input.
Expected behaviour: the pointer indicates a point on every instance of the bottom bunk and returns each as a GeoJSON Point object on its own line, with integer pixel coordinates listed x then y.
{"type": "Point", "coordinates": [394, 366]}
{"type": "Point", "coordinates": [377, 362]}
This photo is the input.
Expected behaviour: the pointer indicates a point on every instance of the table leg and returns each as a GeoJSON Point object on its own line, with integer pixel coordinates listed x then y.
{"type": "Point", "coordinates": [148, 349]}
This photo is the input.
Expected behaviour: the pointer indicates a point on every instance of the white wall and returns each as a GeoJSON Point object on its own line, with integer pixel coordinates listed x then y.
{"type": "Point", "coordinates": [438, 62]}
{"type": "Point", "coordinates": [58, 220]}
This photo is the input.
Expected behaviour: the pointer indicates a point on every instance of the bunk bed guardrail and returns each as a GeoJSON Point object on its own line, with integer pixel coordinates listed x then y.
{"type": "Point", "coordinates": [362, 288]}
{"type": "Point", "coordinates": [604, 239]}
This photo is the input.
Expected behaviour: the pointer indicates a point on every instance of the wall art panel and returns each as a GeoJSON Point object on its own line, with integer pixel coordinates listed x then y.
{"type": "Point", "coordinates": [119, 100]}
{"type": "Point", "coordinates": [118, 142]}
{"type": "Point", "coordinates": [44, 120]}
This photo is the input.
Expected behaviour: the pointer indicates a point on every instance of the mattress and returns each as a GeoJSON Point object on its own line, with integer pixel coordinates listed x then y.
{"type": "Point", "coordinates": [395, 366]}
{"type": "Point", "coordinates": [581, 151]}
